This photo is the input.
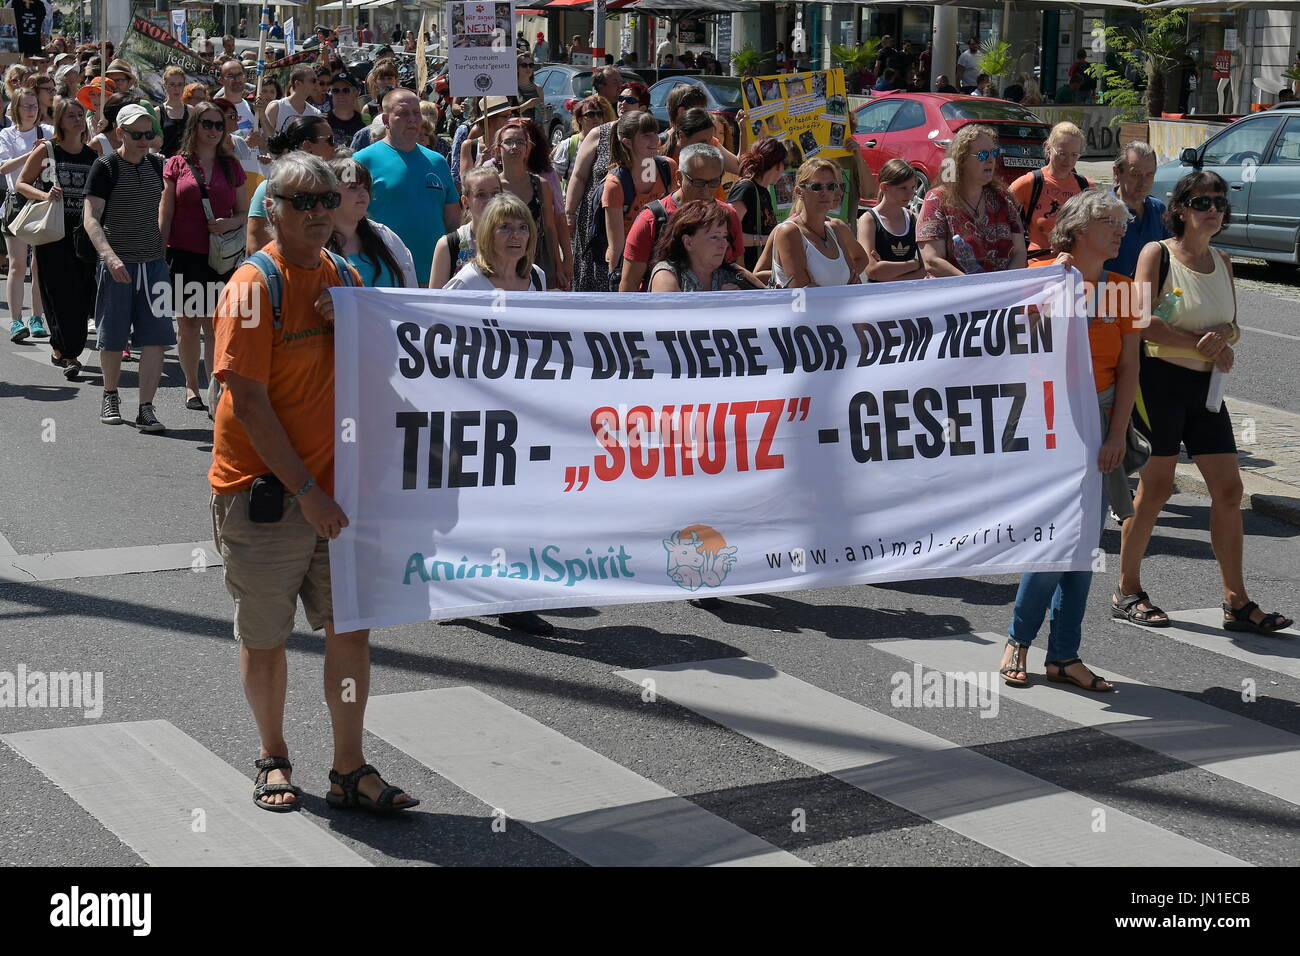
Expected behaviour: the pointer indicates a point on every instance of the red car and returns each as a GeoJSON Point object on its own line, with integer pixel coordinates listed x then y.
{"type": "Point", "coordinates": [918, 127]}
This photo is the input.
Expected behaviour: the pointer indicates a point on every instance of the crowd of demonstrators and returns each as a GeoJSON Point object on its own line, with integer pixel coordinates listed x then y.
{"type": "Point", "coordinates": [970, 222]}
{"type": "Point", "coordinates": [1086, 233]}
{"type": "Point", "coordinates": [1043, 192]}
{"type": "Point", "coordinates": [887, 230]}
{"type": "Point", "coordinates": [1180, 353]}
{"type": "Point", "coordinates": [203, 196]}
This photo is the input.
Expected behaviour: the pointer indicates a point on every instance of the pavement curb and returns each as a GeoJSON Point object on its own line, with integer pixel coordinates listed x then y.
{"type": "Point", "coordinates": [1271, 498]}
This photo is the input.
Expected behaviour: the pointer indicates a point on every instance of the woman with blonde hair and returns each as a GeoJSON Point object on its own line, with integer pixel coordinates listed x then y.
{"type": "Point", "coordinates": [505, 243]}
{"type": "Point", "coordinates": [479, 187]}
{"type": "Point", "coordinates": [16, 141]}
{"type": "Point", "coordinates": [811, 248]}
{"type": "Point", "coordinates": [969, 223]}
{"type": "Point", "coordinates": [175, 112]}
{"type": "Point", "coordinates": [1043, 192]}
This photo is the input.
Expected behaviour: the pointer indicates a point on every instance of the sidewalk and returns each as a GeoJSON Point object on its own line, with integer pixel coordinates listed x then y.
{"type": "Point", "coordinates": [1268, 447]}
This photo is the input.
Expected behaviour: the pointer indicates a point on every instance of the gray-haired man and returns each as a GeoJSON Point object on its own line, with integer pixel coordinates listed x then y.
{"type": "Point", "coordinates": [1135, 174]}
{"type": "Point", "coordinates": [701, 166]}
{"type": "Point", "coordinates": [272, 480]}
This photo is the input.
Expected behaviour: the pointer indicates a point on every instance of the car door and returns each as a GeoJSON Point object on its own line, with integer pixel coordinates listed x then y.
{"type": "Point", "coordinates": [907, 133]}
{"type": "Point", "coordinates": [547, 109]}
{"type": "Point", "coordinates": [1274, 211]}
{"type": "Point", "coordinates": [871, 130]}
{"type": "Point", "coordinates": [1237, 154]}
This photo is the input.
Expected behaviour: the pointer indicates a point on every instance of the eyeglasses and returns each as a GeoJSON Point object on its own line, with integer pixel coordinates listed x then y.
{"type": "Point", "coordinates": [514, 144]}
{"type": "Point", "coordinates": [306, 202]}
{"type": "Point", "coordinates": [628, 99]}
{"type": "Point", "coordinates": [342, 90]}
{"type": "Point", "coordinates": [1203, 203]}
{"type": "Point", "coordinates": [703, 183]}
{"type": "Point", "coordinates": [984, 155]}
{"type": "Point", "coordinates": [147, 134]}
{"type": "Point", "coordinates": [823, 187]}
{"type": "Point", "coordinates": [213, 124]}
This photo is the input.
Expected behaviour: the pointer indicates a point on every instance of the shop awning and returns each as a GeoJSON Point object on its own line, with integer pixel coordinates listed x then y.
{"type": "Point", "coordinates": [1212, 5]}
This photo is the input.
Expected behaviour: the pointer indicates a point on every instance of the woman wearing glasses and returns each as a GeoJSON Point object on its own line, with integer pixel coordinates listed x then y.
{"type": "Point", "coordinates": [970, 223]}
{"type": "Point", "coordinates": [203, 168]}
{"type": "Point", "coordinates": [530, 97]}
{"type": "Point", "coordinates": [522, 159]}
{"type": "Point", "coordinates": [810, 248]}
{"type": "Point", "coordinates": [16, 141]}
{"type": "Point", "coordinates": [1086, 232]}
{"type": "Point", "coordinates": [311, 134]}
{"type": "Point", "coordinates": [582, 200]}
{"type": "Point", "coordinates": [1180, 353]}
{"type": "Point", "coordinates": [67, 285]}
{"type": "Point", "coordinates": [588, 114]}
{"type": "Point", "coordinates": [1055, 183]}
{"type": "Point", "coordinates": [43, 87]}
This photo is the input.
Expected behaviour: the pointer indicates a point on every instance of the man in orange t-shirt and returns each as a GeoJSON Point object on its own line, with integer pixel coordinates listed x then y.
{"type": "Point", "coordinates": [1059, 183]}
{"type": "Point", "coordinates": [272, 479]}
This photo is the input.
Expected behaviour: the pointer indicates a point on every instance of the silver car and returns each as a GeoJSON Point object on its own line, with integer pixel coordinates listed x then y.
{"type": "Point", "coordinates": [1259, 158]}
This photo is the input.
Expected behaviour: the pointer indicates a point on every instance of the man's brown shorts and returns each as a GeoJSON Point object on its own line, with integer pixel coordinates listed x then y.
{"type": "Point", "coordinates": [268, 567]}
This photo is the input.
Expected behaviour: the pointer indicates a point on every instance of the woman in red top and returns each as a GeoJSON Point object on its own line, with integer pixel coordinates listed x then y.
{"type": "Point", "coordinates": [203, 163]}
{"type": "Point", "coordinates": [970, 223]}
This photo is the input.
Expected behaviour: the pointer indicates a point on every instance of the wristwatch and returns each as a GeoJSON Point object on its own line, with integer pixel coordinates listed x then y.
{"type": "Point", "coordinates": [311, 483]}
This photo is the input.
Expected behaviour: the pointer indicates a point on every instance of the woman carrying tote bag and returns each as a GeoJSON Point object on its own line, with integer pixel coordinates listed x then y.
{"type": "Point", "coordinates": [65, 283]}
{"type": "Point", "coordinates": [202, 203]}
{"type": "Point", "coordinates": [16, 142]}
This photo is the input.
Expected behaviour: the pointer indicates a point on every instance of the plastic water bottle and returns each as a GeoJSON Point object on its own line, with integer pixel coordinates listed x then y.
{"type": "Point", "coordinates": [1167, 304]}
{"type": "Point", "coordinates": [1218, 383]}
{"type": "Point", "coordinates": [966, 258]}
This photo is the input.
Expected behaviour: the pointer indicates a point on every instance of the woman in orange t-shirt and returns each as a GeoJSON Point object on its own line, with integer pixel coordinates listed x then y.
{"type": "Point", "coordinates": [1060, 184]}
{"type": "Point", "coordinates": [634, 148]}
{"type": "Point", "coordinates": [1088, 230]}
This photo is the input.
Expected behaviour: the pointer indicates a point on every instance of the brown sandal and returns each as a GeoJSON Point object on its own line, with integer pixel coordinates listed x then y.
{"type": "Point", "coordinates": [1062, 677]}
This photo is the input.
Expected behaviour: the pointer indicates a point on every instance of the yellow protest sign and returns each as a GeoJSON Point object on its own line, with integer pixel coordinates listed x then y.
{"type": "Point", "coordinates": [807, 110]}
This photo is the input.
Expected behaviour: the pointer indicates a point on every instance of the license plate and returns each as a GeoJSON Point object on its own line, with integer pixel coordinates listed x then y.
{"type": "Point", "coordinates": [1023, 161]}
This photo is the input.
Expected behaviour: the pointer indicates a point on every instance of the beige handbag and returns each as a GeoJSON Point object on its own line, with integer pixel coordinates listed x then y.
{"type": "Point", "coordinates": [40, 221]}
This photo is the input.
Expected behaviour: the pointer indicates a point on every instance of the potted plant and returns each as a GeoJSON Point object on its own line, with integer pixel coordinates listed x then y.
{"type": "Point", "coordinates": [750, 62]}
{"type": "Point", "coordinates": [995, 60]}
{"type": "Point", "coordinates": [857, 60]}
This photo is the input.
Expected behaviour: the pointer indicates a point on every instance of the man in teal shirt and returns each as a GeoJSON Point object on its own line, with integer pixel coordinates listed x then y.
{"type": "Point", "coordinates": [413, 192]}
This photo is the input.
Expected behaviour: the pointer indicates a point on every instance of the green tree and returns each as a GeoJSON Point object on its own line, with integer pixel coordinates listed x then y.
{"type": "Point", "coordinates": [1153, 48]}
{"type": "Point", "coordinates": [748, 61]}
{"type": "Point", "coordinates": [995, 60]}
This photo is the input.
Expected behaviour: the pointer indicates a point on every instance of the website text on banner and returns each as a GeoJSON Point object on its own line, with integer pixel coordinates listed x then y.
{"type": "Point", "coordinates": [568, 450]}
{"type": "Point", "coordinates": [806, 110]}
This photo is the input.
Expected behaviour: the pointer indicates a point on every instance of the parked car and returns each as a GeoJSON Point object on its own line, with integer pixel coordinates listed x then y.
{"type": "Point", "coordinates": [724, 101]}
{"type": "Point", "coordinates": [919, 127]}
{"type": "Point", "coordinates": [562, 85]}
{"type": "Point", "coordinates": [1259, 158]}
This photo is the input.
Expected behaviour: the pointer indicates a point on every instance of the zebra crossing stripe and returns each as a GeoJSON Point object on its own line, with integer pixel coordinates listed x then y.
{"type": "Point", "coordinates": [1221, 742]}
{"type": "Point", "coordinates": [588, 805]}
{"type": "Point", "coordinates": [137, 559]}
{"type": "Point", "coordinates": [1003, 808]}
{"type": "Point", "coordinates": [173, 801]}
{"type": "Point", "coordinates": [1203, 628]}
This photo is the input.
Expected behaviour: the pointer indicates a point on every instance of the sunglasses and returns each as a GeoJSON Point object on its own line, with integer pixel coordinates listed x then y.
{"type": "Point", "coordinates": [147, 134]}
{"type": "Point", "coordinates": [702, 183]}
{"type": "Point", "coordinates": [628, 99]}
{"type": "Point", "coordinates": [526, 66]}
{"type": "Point", "coordinates": [984, 155]}
{"type": "Point", "coordinates": [213, 124]}
{"type": "Point", "coordinates": [342, 90]}
{"type": "Point", "coordinates": [1203, 203]}
{"type": "Point", "coordinates": [823, 187]}
{"type": "Point", "coordinates": [306, 202]}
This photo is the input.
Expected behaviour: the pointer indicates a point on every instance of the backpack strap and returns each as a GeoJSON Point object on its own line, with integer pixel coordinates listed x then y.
{"type": "Point", "coordinates": [274, 283]}
{"type": "Point", "coordinates": [628, 187]}
{"type": "Point", "coordinates": [342, 267]}
{"type": "Point", "coordinates": [659, 216]}
{"type": "Point", "coordinates": [1083, 182]}
{"type": "Point", "coordinates": [1028, 212]}
{"type": "Point", "coordinates": [453, 247]}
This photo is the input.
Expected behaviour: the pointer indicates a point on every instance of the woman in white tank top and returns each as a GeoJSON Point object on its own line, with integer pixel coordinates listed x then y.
{"type": "Point", "coordinates": [809, 248]}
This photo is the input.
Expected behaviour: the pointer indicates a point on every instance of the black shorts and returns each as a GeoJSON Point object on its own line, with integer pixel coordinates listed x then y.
{"type": "Point", "coordinates": [1174, 398]}
{"type": "Point", "coordinates": [196, 286]}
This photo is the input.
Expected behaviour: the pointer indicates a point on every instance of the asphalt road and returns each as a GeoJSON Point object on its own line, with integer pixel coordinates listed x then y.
{"type": "Point", "coordinates": [163, 642]}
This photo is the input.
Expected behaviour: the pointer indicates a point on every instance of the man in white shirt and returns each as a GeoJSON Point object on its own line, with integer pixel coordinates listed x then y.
{"type": "Point", "coordinates": [233, 89]}
{"type": "Point", "coordinates": [669, 45]}
{"type": "Point", "coordinates": [302, 84]}
{"type": "Point", "coordinates": [969, 65]}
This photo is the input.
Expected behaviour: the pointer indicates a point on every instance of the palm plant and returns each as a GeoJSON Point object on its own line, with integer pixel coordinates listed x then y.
{"type": "Point", "coordinates": [995, 60]}
{"type": "Point", "coordinates": [748, 61]}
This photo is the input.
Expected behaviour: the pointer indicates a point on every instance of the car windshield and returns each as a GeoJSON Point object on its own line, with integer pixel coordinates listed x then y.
{"type": "Point", "coordinates": [724, 89]}
{"type": "Point", "coordinates": [987, 110]}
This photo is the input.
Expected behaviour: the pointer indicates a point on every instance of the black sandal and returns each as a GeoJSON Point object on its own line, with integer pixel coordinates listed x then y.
{"type": "Point", "coordinates": [1013, 667]}
{"type": "Point", "coordinates": [1125, 608]}
{"type": "Point", "coordinates": [1238, 619]}
{"type": "Point", "coordinates": [1063, 678]}
{"type": "Point", "coordinates": [351, 798]}
{"type": "Point", "coordinates": [262, 789]}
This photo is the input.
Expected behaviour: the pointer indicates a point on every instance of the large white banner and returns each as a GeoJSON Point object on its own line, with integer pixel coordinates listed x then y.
{"type": "Point", "coordinates": [519, 451]}
{"type": "Point", "coordinates": [481, 49]}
